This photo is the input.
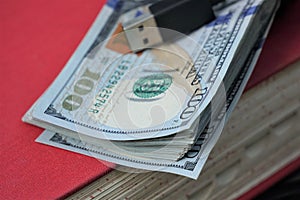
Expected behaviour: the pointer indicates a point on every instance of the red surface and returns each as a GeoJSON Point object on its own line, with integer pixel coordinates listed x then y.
{"type": "Point", "coordinates": [37, 38]}
{"type": "Point", "coordinates": [282, 46]}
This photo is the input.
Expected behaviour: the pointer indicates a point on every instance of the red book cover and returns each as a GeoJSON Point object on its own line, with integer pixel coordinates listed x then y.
{"type": "Point", "coordinates": [282, 46]}
{"type": "Point", "coordinates": [37, 39]}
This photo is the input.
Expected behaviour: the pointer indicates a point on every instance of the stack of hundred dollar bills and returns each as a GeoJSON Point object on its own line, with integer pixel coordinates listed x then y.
{"type": "Point", "coordinates": [162, 109]}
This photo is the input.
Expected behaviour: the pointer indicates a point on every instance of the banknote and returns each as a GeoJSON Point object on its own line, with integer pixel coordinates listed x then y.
{"type": "Point", "coordinates": [107, 92]}
{"type": "Point", "coordinates": [162, 109]}
{"type": "Point", "coordinates": [193, 161]}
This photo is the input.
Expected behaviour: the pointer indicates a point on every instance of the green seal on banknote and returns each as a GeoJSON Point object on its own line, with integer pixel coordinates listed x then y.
{"type": "Point", "coordinates": [152, 85]}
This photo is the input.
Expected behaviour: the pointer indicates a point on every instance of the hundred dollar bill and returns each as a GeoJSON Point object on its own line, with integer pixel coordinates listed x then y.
{"type": "Point", "coordinates": [193, 161]}
{"type": "Point", "coordinates": [190, 165]}
{"type": "Point", "coordinates": [107, 92]}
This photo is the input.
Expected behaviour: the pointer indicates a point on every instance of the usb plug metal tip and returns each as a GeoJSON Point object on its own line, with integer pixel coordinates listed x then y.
{"type": "Point", "coordinates": [142, 32]}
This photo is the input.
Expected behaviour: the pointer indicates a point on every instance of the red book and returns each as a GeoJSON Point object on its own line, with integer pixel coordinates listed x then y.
{"type": "Point", "coordinates": [37, 39]}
